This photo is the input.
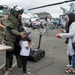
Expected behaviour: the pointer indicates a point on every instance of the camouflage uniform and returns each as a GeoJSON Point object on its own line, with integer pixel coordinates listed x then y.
{"type": "Point", "coordinates": [16, 11]}
{"type": "Point", "coordinates": [10, 38]}
{"type": "Point", "coordinates": [17, 45]}
{"type": "Point", "coordinates": [11, 32]}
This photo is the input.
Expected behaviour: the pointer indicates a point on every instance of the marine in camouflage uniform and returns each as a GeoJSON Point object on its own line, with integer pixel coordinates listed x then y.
{"type": "Point", "coordinates": [18, 39]}
{"type": "Point", "coordinates": [11, 34]}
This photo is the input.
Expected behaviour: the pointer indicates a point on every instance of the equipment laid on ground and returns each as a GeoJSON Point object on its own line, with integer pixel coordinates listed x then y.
{"type": "Point", "coordinates": [37, 53]}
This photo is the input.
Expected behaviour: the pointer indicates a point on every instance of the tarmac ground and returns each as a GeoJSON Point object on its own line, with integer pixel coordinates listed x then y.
{"type": "Point", "coordinates": [54, 62]}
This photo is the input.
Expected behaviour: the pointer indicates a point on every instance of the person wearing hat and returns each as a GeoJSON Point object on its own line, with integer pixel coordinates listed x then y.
{"type": "Point", "coordinates": [11, 33]}
{"type": "Point", "coordinates": [18, 12]}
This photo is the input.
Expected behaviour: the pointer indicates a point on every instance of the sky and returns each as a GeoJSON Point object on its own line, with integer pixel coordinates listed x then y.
{"type": "Point", "coordinates": [55, 11]}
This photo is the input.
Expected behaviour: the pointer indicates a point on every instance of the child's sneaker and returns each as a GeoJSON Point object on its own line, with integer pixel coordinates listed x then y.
{"type": "Point", "coordinates": [69, 65]}
{"type": "Point", "coordinates": [27, 72]}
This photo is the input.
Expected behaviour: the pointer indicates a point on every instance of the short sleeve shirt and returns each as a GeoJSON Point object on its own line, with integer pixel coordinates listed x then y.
{"type": "Point", "coordinates": [24, 51]}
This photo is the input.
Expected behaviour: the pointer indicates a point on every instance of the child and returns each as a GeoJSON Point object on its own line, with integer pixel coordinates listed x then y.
{"type": "Point", "coordinates": [25, 51]}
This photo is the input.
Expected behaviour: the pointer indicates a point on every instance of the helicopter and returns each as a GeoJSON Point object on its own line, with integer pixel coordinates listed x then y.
{"type": "Point", "coordinates": [61, 21]}
{"type": "Point", "coordinates": [51, 4]}
{"type": "Point", "coordinates": [65, 12]}
{"type": "Point", "coordinates": [71, 10]}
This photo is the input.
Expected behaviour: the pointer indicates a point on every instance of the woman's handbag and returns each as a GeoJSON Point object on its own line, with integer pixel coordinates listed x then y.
{"type": "Point", "coordinates": [73, 44]}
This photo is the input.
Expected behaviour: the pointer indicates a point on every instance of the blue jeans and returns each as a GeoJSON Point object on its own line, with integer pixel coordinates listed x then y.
{"type": "Point", "coordinates": [73, 62]}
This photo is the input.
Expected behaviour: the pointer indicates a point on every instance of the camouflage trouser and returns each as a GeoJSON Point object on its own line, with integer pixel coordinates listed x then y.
{"type": "Point", "coordinates": [9, 55]}
{"type": "Point", "coordinates": [9, 59]}
{"type": "Point", "coordinates": [18, 57]}
{"type": "Point", "coordinates": [17, 49]}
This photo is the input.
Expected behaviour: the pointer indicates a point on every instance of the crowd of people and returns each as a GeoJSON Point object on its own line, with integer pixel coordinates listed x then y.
{"type": "Point", "coordinates": [15, 33]}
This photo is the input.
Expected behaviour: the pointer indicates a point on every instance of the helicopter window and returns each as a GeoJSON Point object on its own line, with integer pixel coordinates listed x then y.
{"type": "Point", "coordinates": [1, 11]}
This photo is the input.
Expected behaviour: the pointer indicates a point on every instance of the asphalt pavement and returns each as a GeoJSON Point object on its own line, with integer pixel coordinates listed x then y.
{"type": "Point", "coordinates": [54, 62]}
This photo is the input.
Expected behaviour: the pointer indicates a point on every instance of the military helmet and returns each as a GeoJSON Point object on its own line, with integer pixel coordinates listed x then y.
{"type": "Point", "coordinates": [16, 10]}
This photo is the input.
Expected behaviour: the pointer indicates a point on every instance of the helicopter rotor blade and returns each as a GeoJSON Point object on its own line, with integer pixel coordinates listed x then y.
{"type": "Point", "coordinates": [51, 5]}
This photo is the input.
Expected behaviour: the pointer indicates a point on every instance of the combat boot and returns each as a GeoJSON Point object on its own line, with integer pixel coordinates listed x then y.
{"type": "Point", "coordinates": [7, 63]}
{"type": "Point", "coordinates": [10, 69]}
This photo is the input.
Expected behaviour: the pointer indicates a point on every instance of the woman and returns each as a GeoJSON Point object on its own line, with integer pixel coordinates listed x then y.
{"type": "Point", "coordinates": [66, 41]}
{"type": "Point", "coordinates": [70, 35]}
